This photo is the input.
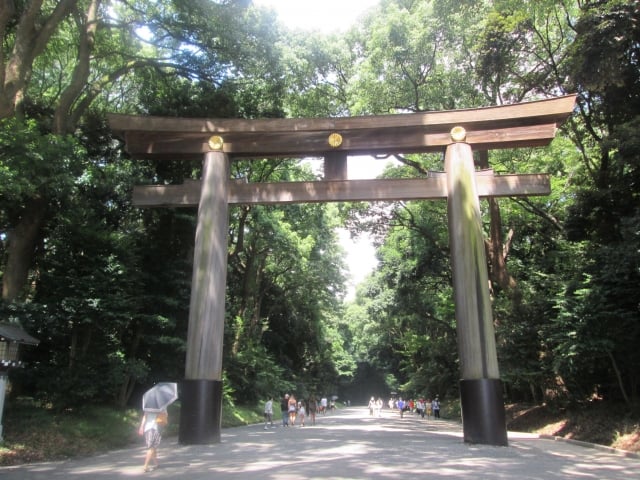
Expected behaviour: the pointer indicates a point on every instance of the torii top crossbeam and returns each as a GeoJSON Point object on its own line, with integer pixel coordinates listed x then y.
{"type": "Point", "coordinates": [520, 125]}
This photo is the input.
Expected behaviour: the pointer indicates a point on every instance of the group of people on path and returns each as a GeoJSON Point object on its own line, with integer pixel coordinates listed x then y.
{"type": "Point", "coordinates": [421, 406]}
{"type": "Point", "coordinates": [295, 411]}
{"type": "Point", "coordinates": [375, 407]}
{"type": "Point", "coordinates": [292, 411]}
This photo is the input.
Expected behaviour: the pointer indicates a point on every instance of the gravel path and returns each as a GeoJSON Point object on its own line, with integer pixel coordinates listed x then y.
{"type": "Point", "coordinates": [349, 444]}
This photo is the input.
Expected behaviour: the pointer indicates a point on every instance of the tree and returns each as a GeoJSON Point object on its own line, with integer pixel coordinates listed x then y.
{"type": "Point", "coordinates": [28, 29]}
{"type": "Point", "coordinates": [33, 29]}
{"type": "Point", "coordinates": [65, 57]}
{"type": "Point", "coordinates": [284, 285]}
{"type": "Point", "coordinates": [595, 307]}
{"type": "Point", "coordinates": [86, 292]}
{"type": "Point", "coordinates": [410, 61]}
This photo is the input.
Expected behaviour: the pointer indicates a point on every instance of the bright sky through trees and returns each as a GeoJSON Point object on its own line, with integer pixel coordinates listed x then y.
{"type": "Point", "coordinates": [323, 15]}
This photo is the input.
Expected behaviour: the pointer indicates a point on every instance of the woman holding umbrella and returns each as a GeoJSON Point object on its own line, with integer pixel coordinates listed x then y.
{"type": "Point", "coordinates": [151, 430]}
{"type": "Point", "coordinates": [154, 405]}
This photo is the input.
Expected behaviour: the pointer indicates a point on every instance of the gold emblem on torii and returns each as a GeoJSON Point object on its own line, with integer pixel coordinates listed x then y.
{"type": "Point", "coordinates": [216, 142]}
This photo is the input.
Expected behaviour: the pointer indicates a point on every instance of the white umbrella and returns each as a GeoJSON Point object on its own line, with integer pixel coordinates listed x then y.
{"type": "Point", "coordinates": [159, 397]}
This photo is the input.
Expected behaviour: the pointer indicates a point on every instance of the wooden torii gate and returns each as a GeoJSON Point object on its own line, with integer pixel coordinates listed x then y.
{"type": "Point", "coordinates": [217, 141]}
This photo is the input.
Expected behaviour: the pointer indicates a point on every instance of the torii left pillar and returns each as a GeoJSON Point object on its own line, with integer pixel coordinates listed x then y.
{"type": "Point", "coordinates": [201, 390]}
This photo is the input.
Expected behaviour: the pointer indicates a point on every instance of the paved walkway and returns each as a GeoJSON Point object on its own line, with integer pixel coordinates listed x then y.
{"type": "Point", "coordinates": [349, 444]}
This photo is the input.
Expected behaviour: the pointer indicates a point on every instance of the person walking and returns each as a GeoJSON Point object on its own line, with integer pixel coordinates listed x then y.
{"type": "Point", "coordinates": [301, 413]}
{"type": "Point", "coordinates": [435, 406]}
{"type": "Point", "coordinates": [292, 410]}
{"type": "Point", "coordinates": [268, 412]}
{"type": "Point", "coordinates": [150, 428]}
{"type": "Point", "coordinates": [323, 405]}
{"type": "Point", "coordinates": [313, 409]}
{"type": "Point", "coordinates": [401, 407]}
{"type": "Point", "coordinates": [284, 409]}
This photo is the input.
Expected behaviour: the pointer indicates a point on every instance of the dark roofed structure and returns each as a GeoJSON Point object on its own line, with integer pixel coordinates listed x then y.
{"type": "Point", "coordinates": [11, 332]}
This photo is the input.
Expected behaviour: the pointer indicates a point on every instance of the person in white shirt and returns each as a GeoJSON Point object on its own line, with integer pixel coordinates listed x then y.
{"type": "Point", "coordinates": [372, 406]}
{"type": "Point", "coordinates": [378, 408]}
{"type": "Point", "coordinates": [268, 412]}
{"type": "Point", "coordinates": [323, 405]}
{"type": "Point", "coordinates": [149, 427]}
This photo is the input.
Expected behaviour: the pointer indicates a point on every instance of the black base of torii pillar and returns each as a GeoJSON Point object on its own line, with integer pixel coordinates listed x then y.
{"type": "Point", "coordinates": [483, 413]}
{"type": "Point", "coordinates": [201, 391]}
{"type": "Point", "coordinates": [200, 412]}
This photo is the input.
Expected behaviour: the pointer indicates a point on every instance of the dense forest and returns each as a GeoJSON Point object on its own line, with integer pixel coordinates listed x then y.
{"type": "Point", "coordinates": [105, 286]}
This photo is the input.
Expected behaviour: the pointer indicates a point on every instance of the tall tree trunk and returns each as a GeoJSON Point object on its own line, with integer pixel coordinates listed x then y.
{"type": "Point", "coordinates": [249, 309]}
{"type": "Point", "coordinates": [623, 391]}
{"type": "Point", "coordinates": [65, 118]}
{"type": "Point", "coordinates": [497, 250]}
{"type": "Point", "coordinates": [30, 38]}
{"type": "Point", "coordinates": [22, 241]}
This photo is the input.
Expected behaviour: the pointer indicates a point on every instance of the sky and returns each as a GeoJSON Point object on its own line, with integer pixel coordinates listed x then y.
{"type": "Point", "coordinates": [323, 15]}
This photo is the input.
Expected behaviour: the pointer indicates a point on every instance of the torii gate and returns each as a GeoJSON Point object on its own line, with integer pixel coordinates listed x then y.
{"type": "Point", "coordinates": [217, 141]}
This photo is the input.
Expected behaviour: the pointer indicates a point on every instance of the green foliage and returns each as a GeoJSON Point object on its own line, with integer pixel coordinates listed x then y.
{"type": "Point", "coordinates": [107, 290]}
{"type": "Point", "coordinates": [88, 302]}
{"type": "Point", "coordinates": [548, 323]}
{"type": "Point", "coordinates": [410, 61]}
{"type": "Point", "coordinates": [315, 67]}
{"type": "Point", "coordinates": [284, 285]}
{"type": "Point", "coordinates": [34, 163]}
{"type": "Point", "coordinates": [597, 329]}
{"type": "Point", "coordinates": [245, 414]}
{"type": "Point", "coordinates": [36, 434]}
{"type": "Point", "coordinates": [254, 375]}
{"type": "Point", "coordinates": [596, 313]}
{"type": "Point", "coordinates": [402, 320]}
{"type": "Point", "coordinates": [604, 58]}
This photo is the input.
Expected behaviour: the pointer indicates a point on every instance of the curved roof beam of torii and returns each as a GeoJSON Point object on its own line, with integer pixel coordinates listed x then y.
{"type": "Point", "coordinates": [528, 124]}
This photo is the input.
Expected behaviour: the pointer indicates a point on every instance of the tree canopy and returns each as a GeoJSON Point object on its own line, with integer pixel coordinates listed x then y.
{"type": "Point", "coordinates": [105, 286]}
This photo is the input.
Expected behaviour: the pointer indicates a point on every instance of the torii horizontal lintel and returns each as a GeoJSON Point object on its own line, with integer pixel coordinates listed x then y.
{"type": "Point", "coordinates": [432, 188]}
{"type": "Point", "coordinates": [527, 124]}
{"type": "Point", "coordinates": [362, 142]}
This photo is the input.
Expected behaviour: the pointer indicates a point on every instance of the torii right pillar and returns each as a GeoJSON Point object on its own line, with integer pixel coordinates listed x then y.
{"type": "Point", "coordinates": [483, 412]}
